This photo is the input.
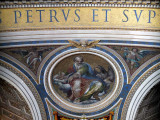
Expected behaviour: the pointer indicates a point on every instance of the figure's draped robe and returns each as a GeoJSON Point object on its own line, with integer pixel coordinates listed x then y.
{"type": "Point", "coordinates": [80, 85]}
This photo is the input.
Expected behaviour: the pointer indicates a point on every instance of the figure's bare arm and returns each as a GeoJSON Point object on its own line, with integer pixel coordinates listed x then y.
{"type": "Point", "coordinates": [61, 80]}
{"type": "Point", "coordinates": [28, 55]}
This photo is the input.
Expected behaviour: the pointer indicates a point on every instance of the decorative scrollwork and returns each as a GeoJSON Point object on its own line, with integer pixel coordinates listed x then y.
{"type": "Point", "coordinates": [84, 44]}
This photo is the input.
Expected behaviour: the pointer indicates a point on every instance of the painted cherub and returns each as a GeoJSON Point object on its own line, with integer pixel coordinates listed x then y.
{"type": "Point", "coordinates": [33, 57]}
{"type": "Point", "coordinates": [132, 57]}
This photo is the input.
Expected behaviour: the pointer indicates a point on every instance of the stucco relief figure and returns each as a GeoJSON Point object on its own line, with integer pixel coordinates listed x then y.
{"type": "Point", "coordinates": [82, 83]}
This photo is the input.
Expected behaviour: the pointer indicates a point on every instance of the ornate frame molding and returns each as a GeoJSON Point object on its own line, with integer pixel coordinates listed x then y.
{"type": "Point", "coordinates": [61, 37]}
{"type": "Point", "coordinates": [74, 51]}
{"type": "Point", "coordinates": [79, 5]}
{"type": "Point", "coordinates": [116, 109]}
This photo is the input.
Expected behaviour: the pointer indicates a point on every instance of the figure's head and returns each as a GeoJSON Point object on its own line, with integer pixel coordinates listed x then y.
{"type": "Point", "coordinates": [34, 49]}
{"type": "Point", "coordinates": [126, 49]}
{"type": "Point", "coordinates": [78, 60]}
{"type": "Point", "coordinates": [100, 69]}
{"type": "Point", "coordinates": [134, 49]}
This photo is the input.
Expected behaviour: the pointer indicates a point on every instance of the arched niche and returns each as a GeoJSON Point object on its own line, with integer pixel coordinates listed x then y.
{"type": "Point", "coordinates": [140, 94]}
{"type": "Point", "coordinates": [23, 89]}
{"type": "Point", "coordinates": [150, 106]}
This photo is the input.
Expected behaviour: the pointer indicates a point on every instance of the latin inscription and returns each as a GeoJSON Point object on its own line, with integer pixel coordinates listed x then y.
{"type": "Point", "coordinates": [94, 13]}
{"type": "Point", "coordinates": [79, 17]}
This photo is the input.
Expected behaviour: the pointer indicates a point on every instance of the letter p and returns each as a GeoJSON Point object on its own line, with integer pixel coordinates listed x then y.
{"type": "Point", "coordinates": [17, 15]}
{"type": "Point", "coordinates": [150, 16]}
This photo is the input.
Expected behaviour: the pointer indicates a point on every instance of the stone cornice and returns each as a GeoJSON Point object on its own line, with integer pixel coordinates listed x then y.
{"type": "Point", "coordinates": [80, 3]}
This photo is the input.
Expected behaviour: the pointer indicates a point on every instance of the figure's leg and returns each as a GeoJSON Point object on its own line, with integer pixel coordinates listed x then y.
{"type": "Point", "coordinates": [132, 64]}
{"type": "Point", "coordinates": [95, 95]}
{"type": "Point", "coordinates": [69, 93]}
{"type": "Point", "coordinates": [35, 62]}
{"type": "Point", "coordinates": [77, 87]}
{"type": "Point", "coordinates": [94, 89]}
{"type": "Point", "coordinates": [76, 90]}
{"type": "Point", "coordinates": [72, 97]}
